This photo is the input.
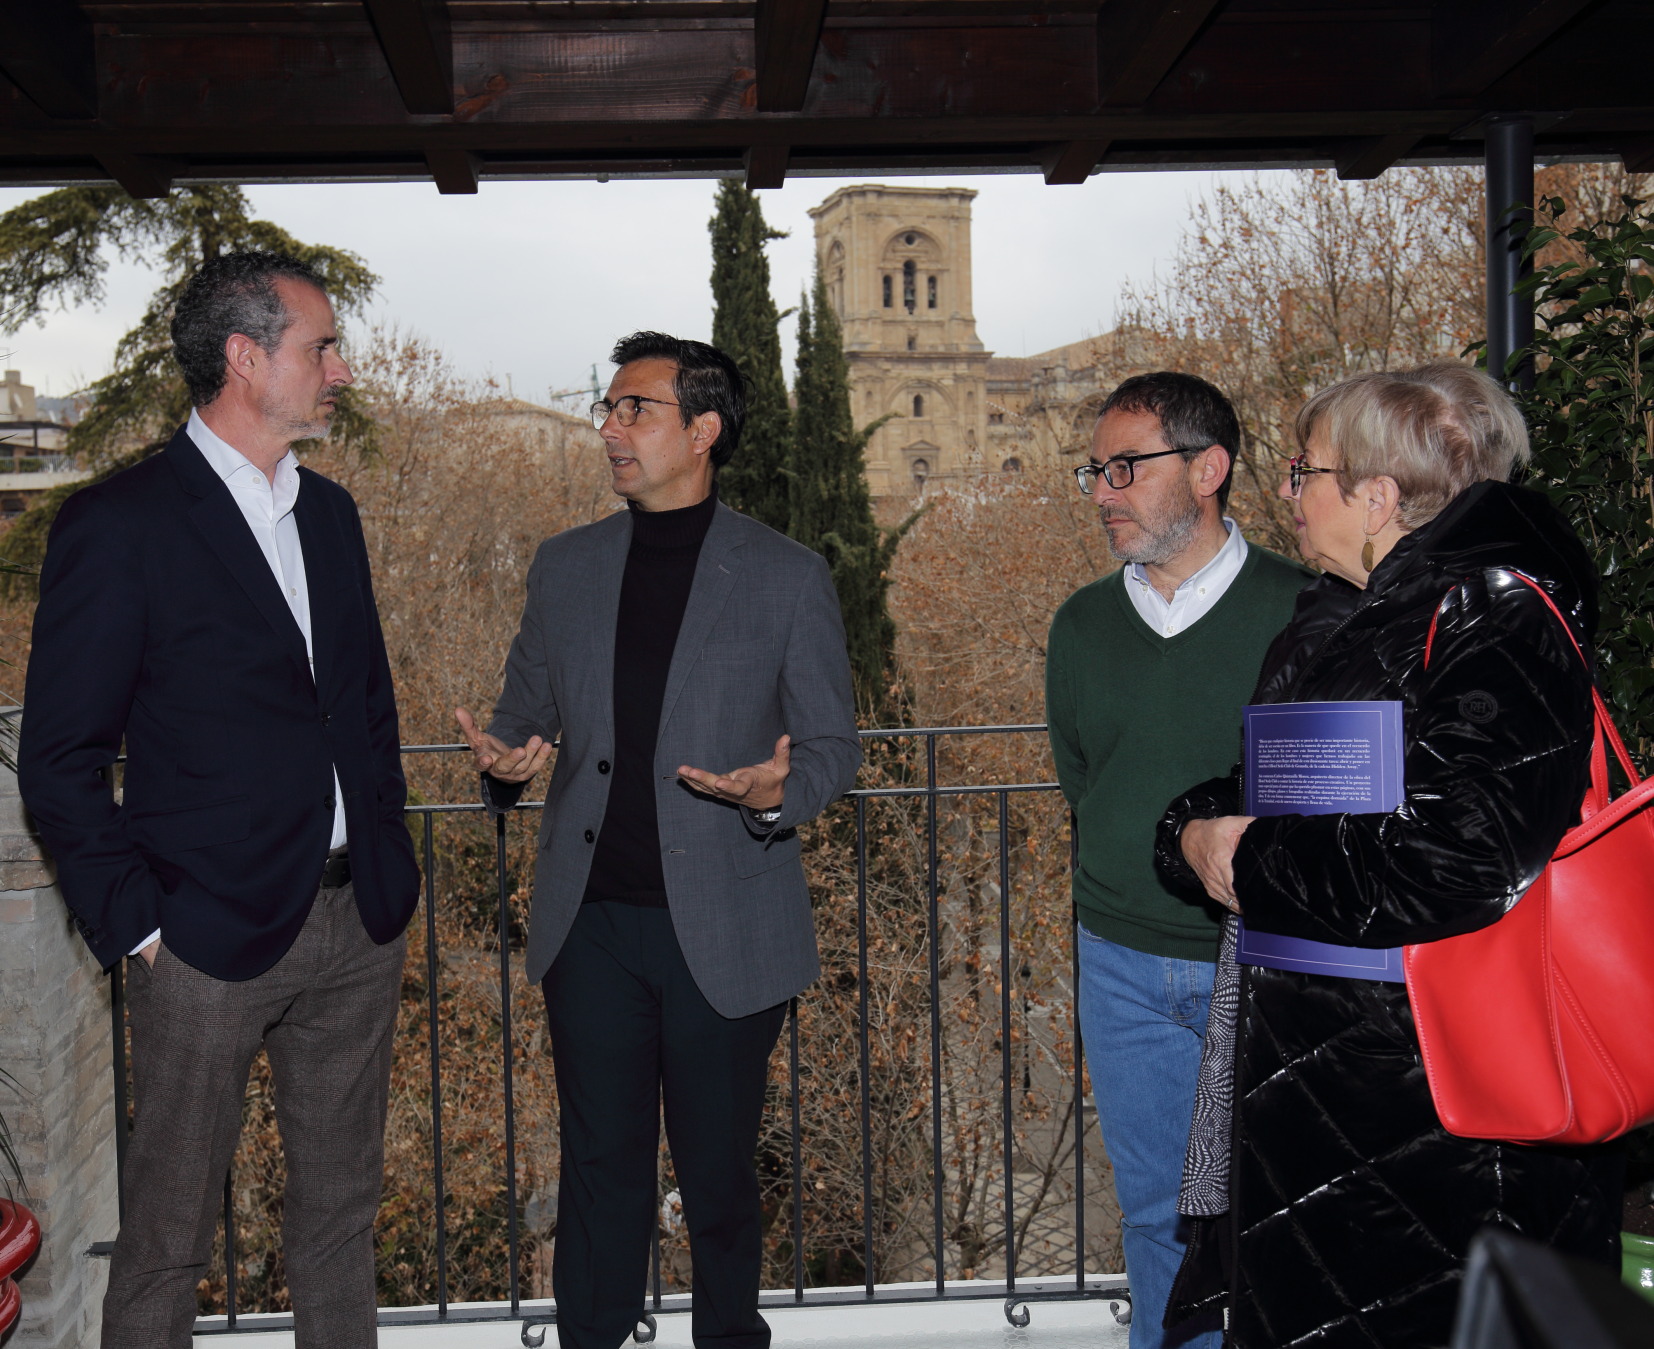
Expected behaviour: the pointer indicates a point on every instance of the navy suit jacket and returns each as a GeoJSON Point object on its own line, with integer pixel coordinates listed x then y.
{"type": "Point", "coordinates": [160, 622]}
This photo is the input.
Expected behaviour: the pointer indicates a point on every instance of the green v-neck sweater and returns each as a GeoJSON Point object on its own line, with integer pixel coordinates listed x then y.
{"type": "Point", "coordinates": [1137, 719]}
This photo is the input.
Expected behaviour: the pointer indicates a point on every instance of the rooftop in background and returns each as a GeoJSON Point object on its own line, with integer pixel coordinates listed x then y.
{"type": "Point", "coordinates": [34, 443]}
{"type": "Point", "coordinates": [148, 92]}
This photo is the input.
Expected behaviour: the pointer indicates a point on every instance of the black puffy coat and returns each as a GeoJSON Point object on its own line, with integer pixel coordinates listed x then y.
{"type": "Point", "coordinates": [1351, 1209]}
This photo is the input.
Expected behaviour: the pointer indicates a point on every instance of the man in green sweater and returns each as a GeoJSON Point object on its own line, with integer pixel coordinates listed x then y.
{"type": "Point", "coordinates": [1146, 674]}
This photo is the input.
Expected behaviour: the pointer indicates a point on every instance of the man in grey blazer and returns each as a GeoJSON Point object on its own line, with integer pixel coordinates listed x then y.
{"type": "Point", "coordinates": [661, 649]}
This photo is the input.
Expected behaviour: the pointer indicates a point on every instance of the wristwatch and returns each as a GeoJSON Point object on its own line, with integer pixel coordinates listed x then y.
{"type": "Point", "coordinates": [767, 816]}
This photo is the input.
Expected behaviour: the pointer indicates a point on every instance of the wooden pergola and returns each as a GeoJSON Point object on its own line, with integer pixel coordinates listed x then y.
{"type": "Point", "coordinates": [150, 92]}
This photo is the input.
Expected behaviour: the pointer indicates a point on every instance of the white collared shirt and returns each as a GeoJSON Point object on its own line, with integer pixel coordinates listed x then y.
{"type": "Point", "coordinates": [1194, 599]}
{"type": "Point", "coordinates": [268, 510]}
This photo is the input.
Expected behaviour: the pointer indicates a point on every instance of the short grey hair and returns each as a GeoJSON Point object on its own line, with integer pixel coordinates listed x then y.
{"type": "Point", "coordinates": [1436, 430]}
{"type": "Point", "coordinates": [232, 293]}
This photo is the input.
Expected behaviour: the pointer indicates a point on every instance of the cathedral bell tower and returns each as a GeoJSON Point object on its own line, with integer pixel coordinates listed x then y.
{"type": "Point", "coordinates": [897, 262]}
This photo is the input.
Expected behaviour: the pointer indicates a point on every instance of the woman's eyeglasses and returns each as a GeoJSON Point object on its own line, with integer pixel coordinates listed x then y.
{"type": "Point", "coordinates": [1298, 468]}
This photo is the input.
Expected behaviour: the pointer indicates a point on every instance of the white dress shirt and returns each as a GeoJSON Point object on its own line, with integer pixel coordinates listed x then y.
{"type": "Point", "coordinates": [268, 510]}
{"type": "Point", "coordinates": [1192, 600]}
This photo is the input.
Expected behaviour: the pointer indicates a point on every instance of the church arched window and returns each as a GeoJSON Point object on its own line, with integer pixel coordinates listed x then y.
{"type": "Point", "coordinates": [910, 285]}
{"type": "Point", "coordinates": [918, 405]}
{"type": "Point", "coordinates": [930, 292]}
{"type": "Point", "coordinates": [887, 290]}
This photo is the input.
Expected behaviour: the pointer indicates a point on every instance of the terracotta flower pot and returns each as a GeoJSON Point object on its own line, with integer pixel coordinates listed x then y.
{"type": "Point", "coordinates": [19, 1239]}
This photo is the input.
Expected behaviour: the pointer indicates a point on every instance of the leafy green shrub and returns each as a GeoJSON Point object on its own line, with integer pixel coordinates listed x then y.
{"type": "Point", "coordinates": [1591, 415]}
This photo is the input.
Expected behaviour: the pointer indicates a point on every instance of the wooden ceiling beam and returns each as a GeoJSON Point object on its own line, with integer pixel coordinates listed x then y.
{"type": "Point", "coordinates": [145, 177]}
{"type": "Point", "coordinates": [235, 137]}
{"type": "Point", "coordinates": [417, 39]}
{"type": "Point", "coordinates": [1139, 41]}
{"type": "Point", "coordinates": [1368, 156]}
{"type": "Point", "coordinates": [1478, 42]}
{"type": "Point", "coordinates": [453, 171]}
{"type": "Point", "coordinates": [46, 49]}
{"type": "Point", "coordinates": [786, 34]}
{"type": "Point", "coordinates": [766, 165]}
{"type": "Point", "coordinates": [1072, 162]}
{"type": "Point", "coordinates": [671, 154]}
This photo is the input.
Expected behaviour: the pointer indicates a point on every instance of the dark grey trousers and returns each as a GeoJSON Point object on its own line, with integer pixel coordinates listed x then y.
{"type": "Point", "coordinates": [630, 1032]}
{"type": "Point", "coordinates": [325, 1014]}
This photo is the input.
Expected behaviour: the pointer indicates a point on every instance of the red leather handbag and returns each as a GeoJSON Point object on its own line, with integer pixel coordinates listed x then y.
{"type": "Point", "coordinates": [1534, 1029]}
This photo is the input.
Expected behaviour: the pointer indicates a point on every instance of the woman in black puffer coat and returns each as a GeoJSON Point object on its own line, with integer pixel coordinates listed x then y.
{"type": "Point", "coordinates": [1350, 1209]}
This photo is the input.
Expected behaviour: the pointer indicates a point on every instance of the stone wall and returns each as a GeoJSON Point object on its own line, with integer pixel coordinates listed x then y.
{"type": "Point", "coordinates": [54, 1040]}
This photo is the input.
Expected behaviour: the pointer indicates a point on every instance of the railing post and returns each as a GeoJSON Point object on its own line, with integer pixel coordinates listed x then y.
{"type": "Point", "coordinates": [932, 870]}
{"type": "Point", "coordinates": [229, 1249]}
{"type": "Point", "coordinates": [1079, 1069]}
{"type": "Point", "coordinates": [434, 1031]}
{"type": "Point", "coordinates": [506, 1055]}
{"type": "Point", "coordinates": [654, 1262]}
{"type": "Point", "coordinates": [1005, 1042]}
{"type": "Point", "coordinates": [798, 1154]}
{"type": "Point", "coordinates": [865, 1009]}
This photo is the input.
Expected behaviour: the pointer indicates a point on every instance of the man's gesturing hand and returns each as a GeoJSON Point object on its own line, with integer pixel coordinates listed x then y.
{"type": "Point", "coordinates": [1209, 847]}
{"type": "Point", "coordinates": [759, 787]}
{"type": "Point", "coordinates": [498, 759]}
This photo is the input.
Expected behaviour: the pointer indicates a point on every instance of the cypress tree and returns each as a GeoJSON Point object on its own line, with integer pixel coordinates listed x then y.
{"type": "Point", "coordinates": [831, 509]}
{"type": "Point", "coordinates": [746, 326]}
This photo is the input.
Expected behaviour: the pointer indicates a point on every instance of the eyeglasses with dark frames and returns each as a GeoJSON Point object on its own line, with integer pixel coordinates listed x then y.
{"type": "Point", "coordinates": [1119, 471]}
{"type": "Point", "coordinates": [624, 410]}
{"type": "Point", "coordinates": [1297, 469]}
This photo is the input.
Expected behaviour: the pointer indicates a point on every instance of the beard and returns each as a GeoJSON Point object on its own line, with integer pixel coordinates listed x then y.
{"type": "Point", "coordinates": [296, 422]}
{"type": "Point", "coordinates": [1162, 533]}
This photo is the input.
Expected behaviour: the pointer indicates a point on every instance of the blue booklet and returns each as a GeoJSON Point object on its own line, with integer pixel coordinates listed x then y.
{"type": "Point", "coordinates": [1321, 759]}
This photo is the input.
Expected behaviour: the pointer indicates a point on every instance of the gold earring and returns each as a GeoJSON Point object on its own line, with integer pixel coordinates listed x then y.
{"type": "Point", "coordinates": [1367, 554]}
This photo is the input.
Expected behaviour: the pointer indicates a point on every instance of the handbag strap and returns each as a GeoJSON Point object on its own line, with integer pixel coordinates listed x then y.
{"type": "Point", "coordinates": [1596, 800]}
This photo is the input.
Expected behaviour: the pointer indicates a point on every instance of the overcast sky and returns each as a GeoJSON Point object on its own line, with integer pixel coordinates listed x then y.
{"type": "Point", "coordinates": [535, 280]}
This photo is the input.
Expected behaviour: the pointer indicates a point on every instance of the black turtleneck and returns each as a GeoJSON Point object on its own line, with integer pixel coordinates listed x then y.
{"type": "Point", "coordinates": [660, 569]}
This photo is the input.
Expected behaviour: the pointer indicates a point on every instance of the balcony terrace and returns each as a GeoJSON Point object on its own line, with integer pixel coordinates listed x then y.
{"type": "Point", "coordinates": [940, 1045]}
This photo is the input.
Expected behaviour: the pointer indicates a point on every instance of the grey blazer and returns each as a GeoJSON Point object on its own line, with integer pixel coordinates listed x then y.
{"type": "Point", "coordinates": [760, 654]}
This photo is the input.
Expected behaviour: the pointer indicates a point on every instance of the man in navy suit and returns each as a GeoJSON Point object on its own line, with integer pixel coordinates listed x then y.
{"type": "Point", "coordinates": [212, 608]}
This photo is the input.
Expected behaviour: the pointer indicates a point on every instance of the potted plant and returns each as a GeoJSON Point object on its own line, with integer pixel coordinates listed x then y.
{"type": "Point", "coordinates": [1637, 1240]}
{"type": "Point", "coordinates": [1591, 412]}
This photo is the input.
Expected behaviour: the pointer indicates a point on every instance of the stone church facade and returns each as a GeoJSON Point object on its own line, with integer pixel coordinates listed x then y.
{"type": "Point", "coordinates": [897, 263]}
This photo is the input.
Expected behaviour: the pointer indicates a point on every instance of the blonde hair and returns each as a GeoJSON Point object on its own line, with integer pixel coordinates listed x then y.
{"type": "Point", "coordinates": [1435, 430]}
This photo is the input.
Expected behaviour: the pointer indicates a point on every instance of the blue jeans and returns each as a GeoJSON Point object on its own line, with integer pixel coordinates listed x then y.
{"type": "Point", "coordinates": [1143, 1018]}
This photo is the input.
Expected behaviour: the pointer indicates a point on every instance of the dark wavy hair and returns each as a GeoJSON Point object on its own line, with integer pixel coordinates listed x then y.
{"type": "Point", "coordinates": [1194, 415]}
{"type": "Point", "coordinates": [707, 381]}
{"type": "Point", "coordinates": [232, 293]}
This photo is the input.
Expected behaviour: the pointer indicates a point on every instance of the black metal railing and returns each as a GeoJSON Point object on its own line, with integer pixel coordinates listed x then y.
{"type": "Point", "coordinates": [930, 791]}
